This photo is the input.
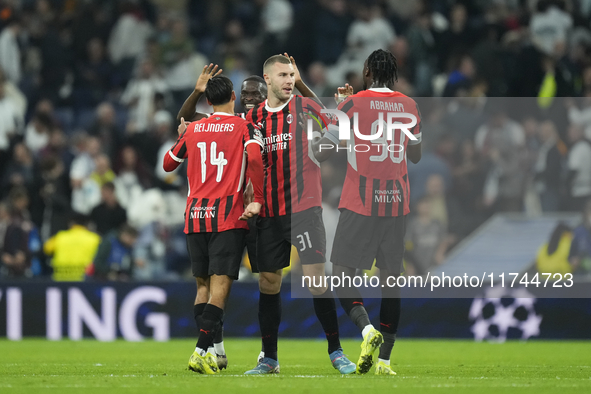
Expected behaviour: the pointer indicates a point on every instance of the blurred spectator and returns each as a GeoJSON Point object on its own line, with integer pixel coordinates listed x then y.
{"type": "Point", "coordinates": [150, 253]}
{"type": "Point", "coordinates": [102, 170]}
{"type": "Point", "coordinates": [461, 77]}
{"type": "Point", "coordinates": [20, 170]}
{"type": "Point", "coordinates": [10, 54]}
{"type": "Point", "coordinates": [426, 239]}
{"type": "Point", "coordinates": [72, 250]}
{"type": "Point", "coordinates": [12, 93]}
{"type": "Point", "coordinates": [180, 62]}
{"type": "Point", "coordinates": [38, 131]}
{"type": "Point", "coordinates": [580, 250]}
{"type": "Point", "coordinates": [88, 149]}
{"type": "Point", "coordinates": [469, 175]}
{"type": "Point", "coordinates": [93, 76]}
{"type": "Point", "coordinates": [445, 208]}
{"type": "Point", "coordinates": [550, 25]}
{"type": "Point", "coordinates": [276, 20]}
{"type": "Point", "coordinates": [51, 203]}
{"type": "Point", "coordinates": [370, 30]}
{"type": "Point", "coordinates": [458, 39]}
{"type": "Point", "coordinates": [549, 168]}
{"type": "Point", "coordinates": [579, 169]}
{"type": "Point", "coordinates": [108, 215]}
{"type": "Point", "coordinates": [317, 80]}
{"type": "Point", "coordinates": [332, 24]}
{"type": "Point", "coordinates": [127, 42]}
{"type": "Point", "coordinates": [168, 138]}
{"type": "Point", "coordinates": [10, 124]}
{"type": "Point", "coordinates": [15, 257]}
{"type": "Point", "coordinates": [132, 177]}
{"type": "Point", "coordinates": [500, 140]}
{"type": "Point", "coordinates": [422, 58]}
{"type": "Point", "coordinates": [105, 128]}
{"type": "Point", "coordinates": [139, 96]}
{"type": "Point", "coordinates": [552, 257]}
{"type": "Point", "coordinates": [114, 258]}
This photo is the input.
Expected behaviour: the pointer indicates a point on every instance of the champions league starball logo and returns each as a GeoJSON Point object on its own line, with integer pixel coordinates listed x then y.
{"type": "Point", "coordinates": [505, 314]}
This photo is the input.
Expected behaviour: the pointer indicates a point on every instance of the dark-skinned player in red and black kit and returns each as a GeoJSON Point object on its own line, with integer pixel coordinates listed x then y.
{"type": "Point", "coordinates": [375, 201]}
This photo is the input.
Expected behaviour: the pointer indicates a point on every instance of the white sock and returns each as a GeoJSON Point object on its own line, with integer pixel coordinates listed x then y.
{"type": "Point", "coordinates": [366, 329]}
{"type": "Point", "coordinates": [211, 350]}
{"type": "Point", "coordinates": [219, 348]}
{"type": "Point", "coordinates": [201, 352]}
{"type": "Point", "coordinates": [387, 362]}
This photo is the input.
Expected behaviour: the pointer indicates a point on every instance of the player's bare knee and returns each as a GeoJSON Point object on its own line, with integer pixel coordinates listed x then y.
{"type": "Point", "coordinates": [318, 290]}
{"type": "Point", "coordinates": [269, 283]}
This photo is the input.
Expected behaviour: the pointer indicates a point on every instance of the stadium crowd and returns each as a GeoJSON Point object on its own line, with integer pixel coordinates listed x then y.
{"type": "Point", "coordinates": [89, 92]}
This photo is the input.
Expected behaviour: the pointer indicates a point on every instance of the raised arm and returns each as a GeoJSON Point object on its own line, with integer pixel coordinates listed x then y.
{"type": "Point", "coordinates": [187, 111]}
{"type": "Point", "coordinates": [299, 83]}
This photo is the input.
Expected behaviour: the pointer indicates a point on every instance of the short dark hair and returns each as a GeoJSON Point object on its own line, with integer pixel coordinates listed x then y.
{"type": "Point", "coordinates": [275, 59]}
{"type": "Point", "coordinates": [383, 67]}
{"type": "Point", "coordinates": [128, 229]}
{"type": "Point", "coordinates": [255, 78]}
{"type": "Point", "coordinates": [108, 185]}
{"type": "Point", "coordinates": [219, 90]}
{"type": "Point", "coordinates": [79, 219]}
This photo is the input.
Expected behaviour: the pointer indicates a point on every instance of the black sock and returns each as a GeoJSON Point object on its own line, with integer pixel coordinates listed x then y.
{"type": "Point", "coordinates": [389, 319]}
{"type": "Point", "coordinates": [269, 320]}
{"type": "Point", "coordinates": [326, 311]}
{"type": "Point", "coordinates": [211, 321]}
{"type": "Point", "coordinates": [359, 316]}
{"type": "Point", "coordinates": [197, 312]}
{"type": "Point", "coordinates": [219, 334]}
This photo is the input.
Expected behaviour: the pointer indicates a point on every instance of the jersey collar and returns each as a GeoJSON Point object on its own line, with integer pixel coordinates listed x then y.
{"type": "Point", "coordinates": [276, 109]}
{"type": "Point", "coordinates": [222, 113]}
{"type": "Point", "coordinates": [381, 90]}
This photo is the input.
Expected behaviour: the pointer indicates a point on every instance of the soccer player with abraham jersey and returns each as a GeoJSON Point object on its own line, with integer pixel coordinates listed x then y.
{"type": "Point", "coordinates": [218, 149]}
{"type": "Point", "coordinates": [375, 201]}
{"type": "Point", "coordinates": [292, 214]}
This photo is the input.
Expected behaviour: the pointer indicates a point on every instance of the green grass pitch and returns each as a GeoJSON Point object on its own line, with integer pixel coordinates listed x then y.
{"type": "Point", "coordinates": [423, 366]}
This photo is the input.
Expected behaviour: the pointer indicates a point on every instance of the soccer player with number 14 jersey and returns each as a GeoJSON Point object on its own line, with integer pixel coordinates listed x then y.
{"type": "Point", "coordinates": [218, 149]}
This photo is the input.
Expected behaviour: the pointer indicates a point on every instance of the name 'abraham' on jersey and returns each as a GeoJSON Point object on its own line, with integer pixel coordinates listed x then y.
{"type": "Point", "coordinates": [292, 174]}
{"type": "Point", "coordinates": [216, 172]}
{"type": "Point", "coordinates": [376, 183]}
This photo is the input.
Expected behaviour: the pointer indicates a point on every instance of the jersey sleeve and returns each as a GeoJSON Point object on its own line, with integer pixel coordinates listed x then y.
{"type": "Point", "coordinates": [178, 153]}
{"type": "Point", "coordinates": [252, 135]}
{"type": "Point", "coordinates": [346, 106]}
{"type": "Point", "coordinates": [416, 130]}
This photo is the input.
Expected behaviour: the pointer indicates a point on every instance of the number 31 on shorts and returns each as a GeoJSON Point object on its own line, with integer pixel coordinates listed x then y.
{"type": "Point", "coordinates": [303, 238]}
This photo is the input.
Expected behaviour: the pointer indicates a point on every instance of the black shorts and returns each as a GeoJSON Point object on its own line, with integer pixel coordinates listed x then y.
{"type": "Point", "coordinates": [275, 235]}
{"type": "Point", "coordinates": [251, 241]}
{"type": "Point", "coordinates": [360, 240]}
{"type": "Point", "coordinates": [216, 253]}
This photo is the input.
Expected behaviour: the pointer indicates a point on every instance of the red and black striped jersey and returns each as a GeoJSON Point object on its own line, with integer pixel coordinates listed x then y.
{"type": "Point", "coordinates": [376, 183]}
{"type": "Point", "coordinates": [292, 175]}
{"type": "Point", "coordinates": [215, 147]}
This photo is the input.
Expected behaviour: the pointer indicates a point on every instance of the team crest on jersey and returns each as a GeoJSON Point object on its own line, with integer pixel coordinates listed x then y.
{"type": "Point", "coordinates": [289, 118]}
{"type": "Point", "coordinates": [217, 118]}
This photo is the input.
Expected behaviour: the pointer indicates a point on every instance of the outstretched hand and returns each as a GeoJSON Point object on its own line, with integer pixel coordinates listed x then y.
{"type": "Point", "coordinates": [343, 92]}
{"type": "Point", "coordinates": [207, 73]}
{"type": "Point", "coordinates": [182, 126]}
